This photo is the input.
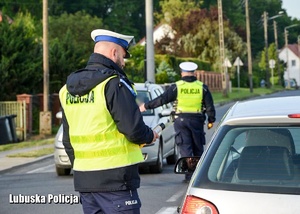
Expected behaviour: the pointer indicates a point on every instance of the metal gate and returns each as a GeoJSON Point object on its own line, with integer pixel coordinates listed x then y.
{"type": "Point", "coordinates": [19, 110]}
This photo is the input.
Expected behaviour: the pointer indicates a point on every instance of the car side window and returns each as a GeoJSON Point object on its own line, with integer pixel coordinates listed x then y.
{"type": "Point", "coordinates": [143, 97]}
{"type": "Point", "coordinates": [225, 160]}
{"type": "Point", "coordinates": [159, 92]}
{"type": "Point", "coordinates": [296, 138]}
{"type": "Point", "coordinates": [233, 156]}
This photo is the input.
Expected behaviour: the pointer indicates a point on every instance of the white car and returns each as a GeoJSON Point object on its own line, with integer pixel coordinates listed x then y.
{"type": "Point", "coordinates": [252, 164]}
{"type": "Point", "coordinates": [164, 148]}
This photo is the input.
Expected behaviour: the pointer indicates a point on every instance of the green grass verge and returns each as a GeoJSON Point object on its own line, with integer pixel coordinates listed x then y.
{"type": "Point", "coordinates": [242, 93]}
{"type": "Point", "coordinates": [234, 95]}
{"type": "Point", "coordinates": [26, 144]}
{"type": "Point", "coordinates": [33, 154]}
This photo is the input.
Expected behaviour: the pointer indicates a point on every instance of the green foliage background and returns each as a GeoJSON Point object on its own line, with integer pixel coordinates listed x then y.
{"type": "Point", "coordinates": [70, 44]}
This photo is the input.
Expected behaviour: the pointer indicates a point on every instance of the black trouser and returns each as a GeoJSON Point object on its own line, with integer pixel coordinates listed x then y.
{"type": "Point", "coordinates": [190, 136]}
{"type": "Point", "coordinates": [121, 202]}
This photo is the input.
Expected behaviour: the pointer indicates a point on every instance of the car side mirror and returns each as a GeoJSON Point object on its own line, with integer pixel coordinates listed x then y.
{"type": "Point", "coordinates": [186, 165]}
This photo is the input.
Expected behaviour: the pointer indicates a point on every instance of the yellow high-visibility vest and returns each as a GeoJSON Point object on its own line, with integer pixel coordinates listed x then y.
{"type": "Point", "coordinates": [97, 143]}
{"type": "Point", "coordinates": [189, 96]}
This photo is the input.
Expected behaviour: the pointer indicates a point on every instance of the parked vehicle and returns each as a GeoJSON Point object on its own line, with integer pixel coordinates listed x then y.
{"type": "Point", "coordinates": [164, 148]}
{"type": "Point", "coordinates": [61, 159]}
{"type": "Point", "coordinates": [252, 164]}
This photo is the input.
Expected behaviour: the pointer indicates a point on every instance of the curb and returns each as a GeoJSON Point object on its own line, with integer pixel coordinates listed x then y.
{"type": "Point", "coordinates": [26, 164]}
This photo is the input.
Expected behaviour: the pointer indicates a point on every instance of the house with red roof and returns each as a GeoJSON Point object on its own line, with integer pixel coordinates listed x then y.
{"type": "Point", "coordinates": [159, 32]}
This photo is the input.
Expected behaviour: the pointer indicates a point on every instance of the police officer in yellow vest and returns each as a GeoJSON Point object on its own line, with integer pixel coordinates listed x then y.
{"type": "Point", "coordinates": [194, 102]}
{"type": "Point", "coordinates": [103, 128]}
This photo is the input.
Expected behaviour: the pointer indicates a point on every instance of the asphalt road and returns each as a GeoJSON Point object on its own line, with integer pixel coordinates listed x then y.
{"type": "Point", "coordinates": [160, 193]}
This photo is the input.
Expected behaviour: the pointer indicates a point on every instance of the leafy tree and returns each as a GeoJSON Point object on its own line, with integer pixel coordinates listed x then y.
{"type": "Point", "coordinates": [65, 57]}
{"type": "Point", "coordinates": [135, 66]}
{"type": "Point", "coordinates": [272, 54]}
{"type": "Point", "coordinates": [21, 57]}
{"type": "Point", "coordinates": [127, 17]}
{"type": "Point", "coordinates": [165, 74]}
{"type": "Point", "coordinates": [197, 33]}
{"type": "Point", "coordinates": [34, 7]}
{"type": "Point", "coordinates": [70, 45]}
{"type": "Point", "coordinates": [70, 24]}
{"type": "Point", "coordinates": [80, 24]}
{"type": "Point", "coordinates": [234, 10]}
{"type": "Point", "coordinates": [256, 21]}
{"type": "Point", "coordinates": [174, 8]}
{"type": "Point", "coordinates": [258, 73]}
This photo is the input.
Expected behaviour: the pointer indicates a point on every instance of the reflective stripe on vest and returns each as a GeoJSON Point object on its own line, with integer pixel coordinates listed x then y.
{"type": "Point", "coordinates": [96, 141]}
{"type": "Point", "coordinates": [189, 96]}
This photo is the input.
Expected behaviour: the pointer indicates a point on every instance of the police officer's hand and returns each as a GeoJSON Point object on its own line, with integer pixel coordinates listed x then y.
{"type": "Point", "coordinates": [142, 107]}
{"type": "Point", "coordinates": [155, 136]}
{"type": "Point", "coordinates": [210, 125]}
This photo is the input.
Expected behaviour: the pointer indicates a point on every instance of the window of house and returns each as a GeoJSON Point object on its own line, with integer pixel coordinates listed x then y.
{"type": "Point", "coordinates": [293, 63]}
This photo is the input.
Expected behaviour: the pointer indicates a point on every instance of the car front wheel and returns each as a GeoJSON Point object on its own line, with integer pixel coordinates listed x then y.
{"type": "Point", "coordinates": [174, 157]}
{"type": "Point", "coordinates": [62, 171]}
{"type": "Point", "coordinates": [158, 167]}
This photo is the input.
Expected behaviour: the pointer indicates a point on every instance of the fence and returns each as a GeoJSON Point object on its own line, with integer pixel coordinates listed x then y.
{"type": "Point", "coordinates": [26, 104]}
{"type": "Point", "coordinates": [19, 109]}
{"type": "Point", "coordinates": [212, 79]}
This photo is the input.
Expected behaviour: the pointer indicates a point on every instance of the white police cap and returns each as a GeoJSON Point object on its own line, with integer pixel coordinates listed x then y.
{"type": "Point", "coordinates": [110, 36]}
{"type": "Point", "coordinates": [188, 66]}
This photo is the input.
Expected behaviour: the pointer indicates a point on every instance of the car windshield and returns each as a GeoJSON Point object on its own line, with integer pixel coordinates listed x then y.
{"type": "Point", "coordinates": [144, 97]}
{"type": "Point", "coordinates": [266, 157]}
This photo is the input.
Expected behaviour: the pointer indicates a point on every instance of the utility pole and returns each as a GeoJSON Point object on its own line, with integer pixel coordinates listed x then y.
{"type": "Point", "coordinates": [222, 52]}
{"type": "Point", "coordinates": [150, 70]}
{"type": "Point", "coordinates": [249, 47]}
{"type": "Point", "coordinates": [45, 115]}
{"type": "Point", "coordinates": [287, 57]}
{"type": "Point", "coordinates": [280, 13]}
{"type": "Point", "coordinates": [265, 16]}
{"type": "Point", "coordinates": [276, 46]}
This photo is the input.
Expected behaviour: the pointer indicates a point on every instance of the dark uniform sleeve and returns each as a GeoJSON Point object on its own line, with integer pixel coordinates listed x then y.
{"type": "Point", "coordinates": [125, 112]}
{"type": "Point", "coordinates": [209, 105]}
{"type": "Point", "coordinates": [66, 139]}
{"type": "Point", "coordinates": [168, 96]}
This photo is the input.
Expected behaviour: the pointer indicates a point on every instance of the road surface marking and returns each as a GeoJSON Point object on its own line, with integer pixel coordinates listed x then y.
{"type": "Point", "coordinates": [176, 196]}
{"type": "Point", "coordinates": [41, 169]}
{"type": "Point", "coordinates": [167, 210]}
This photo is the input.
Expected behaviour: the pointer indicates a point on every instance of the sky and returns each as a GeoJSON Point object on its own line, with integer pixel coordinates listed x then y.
{"type": "Point", "coordinates": [292, 8]}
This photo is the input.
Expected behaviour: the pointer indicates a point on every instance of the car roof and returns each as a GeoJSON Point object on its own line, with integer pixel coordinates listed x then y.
{"type": "Point", "coordinates": [146, 86]}
{"type": "Point", "coordinates": [265, 110]}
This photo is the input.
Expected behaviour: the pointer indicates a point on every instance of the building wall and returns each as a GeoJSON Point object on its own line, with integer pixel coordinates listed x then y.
{"type": "Point", "coordinates": [293, 65]}
{"type": "Point", "coordinates": [159, 33]}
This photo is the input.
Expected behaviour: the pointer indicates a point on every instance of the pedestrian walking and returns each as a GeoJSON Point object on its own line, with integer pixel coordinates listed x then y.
{"type": "Point", "coordinates": [193, 103]}
{"type": "Point", "coordinates": [103, 128]}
